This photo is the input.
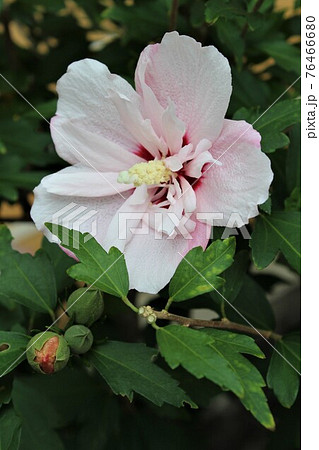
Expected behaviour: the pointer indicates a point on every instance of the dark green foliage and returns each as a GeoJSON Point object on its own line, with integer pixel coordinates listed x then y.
{"type": "Point", "coordinates": [28, 280]}
{"type": "Point", "coordinates": [280, 231]}
{"type": "Point", "coordinates": [127, 392]}
{"type": "Point", "coordinates": [283, 373]}
{"type": "Point", "coordinates": [128, 368]}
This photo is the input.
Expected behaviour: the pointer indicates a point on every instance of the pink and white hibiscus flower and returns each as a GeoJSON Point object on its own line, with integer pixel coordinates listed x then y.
{"type": "Point", "coordinates": [163, 155]}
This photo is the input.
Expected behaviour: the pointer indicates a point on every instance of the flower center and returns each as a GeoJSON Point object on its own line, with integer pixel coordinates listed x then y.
{"type": "Point", "coordinates": [151, 172]}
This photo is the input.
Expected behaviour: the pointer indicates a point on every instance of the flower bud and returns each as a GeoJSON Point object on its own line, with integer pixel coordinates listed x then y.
{"type": "Point", "coordinates": [48, 352]}
{"type": "Point", "coordinates": [85, 306]}
{"type": "Point", "coordinates": [79, 338]}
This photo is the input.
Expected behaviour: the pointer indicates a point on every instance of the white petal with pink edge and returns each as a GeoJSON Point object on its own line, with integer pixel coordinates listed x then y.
{"type": "Point", "coordinates": [91, 215]}
{"type": "Point", "coordinates": [173, 129]}
{"type": "Point", "coordinates": [157, 259]}
{"type": "Point", "coordinates": [127, 219]}
{"type": "Point", "coordinates": [242, 180]}
{"type": "Point", "coordinates": [196, 79]}
{"type": "Point", "coordinates": [84, 182]}
{"type": "Point", "coordinates": [77, 144]}
{"type": "Point", "coordinates": [83, 93]}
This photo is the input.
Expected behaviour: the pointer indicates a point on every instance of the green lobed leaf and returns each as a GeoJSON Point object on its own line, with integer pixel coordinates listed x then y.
{"type": "Point", "coordinates": [28, 280]}
{"type": "Point", "coordinates": [277, 119]}
{"type": "Point", "coordinates": [12, 350]}
{"type": "Point", "coordinates": [216, 355]}
{"type": "Point", "coordinates": [234, 343]}
{"type": "Point", "coordinates": [190, 349]}
{"type": "Point", "coordinates": [198, 271]}
{"type": "Point", "coordinates": [281, 377]}
{"type": "Point", "coordinates": [273, 122]}
{"type": "Point", "coordinates": [106, 271]}
{"type": "Point", "coordinates": [10, 426]}
{"type": "Point", "coordinates": [231, 345]}
{"type": "Point", "coordinates": [280, 231]}
{"type": "Point", "coordinates": [128, 368]}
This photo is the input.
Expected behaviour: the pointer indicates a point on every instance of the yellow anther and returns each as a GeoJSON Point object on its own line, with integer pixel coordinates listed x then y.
{"type": "Point", "coordinates": [151, 172]}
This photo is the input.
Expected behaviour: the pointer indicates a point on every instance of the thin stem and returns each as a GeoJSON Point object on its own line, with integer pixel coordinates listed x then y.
{"type": "Point", "coordinates": [129, 304]}
{"type": "Point", "coordinates": [173, 15]}
{"type": "Point", "coordinates": [168, 304]}
{"type": "Point", "coordinates": [156, 327]}
{"type": "Point", "coordinates": [224, 324]}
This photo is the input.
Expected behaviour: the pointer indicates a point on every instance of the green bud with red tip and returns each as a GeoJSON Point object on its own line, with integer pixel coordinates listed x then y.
{"type": "Point", "coordinates": [85, 306]}
{"type": "Point", "coordinates": [79, 338]}
{"type": "Point", "coordinates": [48, 352]}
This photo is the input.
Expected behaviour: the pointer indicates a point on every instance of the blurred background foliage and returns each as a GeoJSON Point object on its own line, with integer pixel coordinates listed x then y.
{"type": "Point", "coordinates": [38, 40]}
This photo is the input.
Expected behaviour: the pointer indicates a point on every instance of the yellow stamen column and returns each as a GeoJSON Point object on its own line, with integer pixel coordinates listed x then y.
{"type": "Point", "coordinates": [151, 172]}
